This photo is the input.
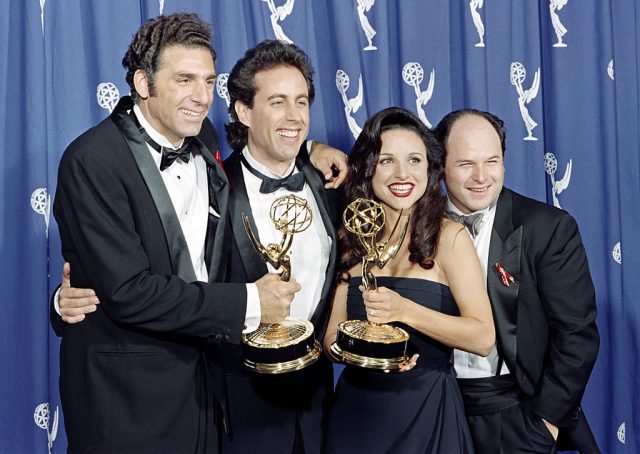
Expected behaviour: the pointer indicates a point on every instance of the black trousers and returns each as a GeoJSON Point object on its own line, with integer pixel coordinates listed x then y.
{"type": "Point", "coordinates": [500, 418]}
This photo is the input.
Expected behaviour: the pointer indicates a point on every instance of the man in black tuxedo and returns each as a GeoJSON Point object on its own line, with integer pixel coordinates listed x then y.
{"type": "Point", "coordinates": [141, 204]}
{"type": "Point", "coordinates": [271, 90]}
{"type": "Point", "coordinates": [525, 396]}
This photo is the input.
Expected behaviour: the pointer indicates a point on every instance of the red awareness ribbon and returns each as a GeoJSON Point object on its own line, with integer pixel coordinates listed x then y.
{"type": "Point", "coordinates": [506, 277]}
{"type": "Point", "coordinates": [218, 158]}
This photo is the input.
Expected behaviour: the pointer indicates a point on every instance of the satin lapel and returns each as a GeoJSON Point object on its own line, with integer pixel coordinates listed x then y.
{"type": "Point", "coordinates": [320, 316]}
{"type": "Point", "coordinates": [180, 258]}
{"type": "Point", "coordinates": [218, 235]}
{"type": "Point", "coordinates": [505, 248]}
{"type": "Point", "coordinates": [252, 262]}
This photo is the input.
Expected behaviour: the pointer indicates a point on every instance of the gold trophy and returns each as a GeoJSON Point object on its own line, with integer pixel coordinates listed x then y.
{"type": "Point", "coordinates": [361, 342]}
{"type": "Point", "coordinates": [290, 345]}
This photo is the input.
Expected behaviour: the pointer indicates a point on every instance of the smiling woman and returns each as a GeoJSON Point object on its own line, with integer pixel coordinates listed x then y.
{"type": "Point", "coordinates": [433, 288]}
{"type": "Point", "coordinates": [400, 178]}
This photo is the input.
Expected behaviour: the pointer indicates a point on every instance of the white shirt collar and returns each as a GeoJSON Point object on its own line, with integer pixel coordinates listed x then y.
{"type": "Point", "coordinates": [263, 169]}
{"type": "Point", "coordinates": [452, 208]}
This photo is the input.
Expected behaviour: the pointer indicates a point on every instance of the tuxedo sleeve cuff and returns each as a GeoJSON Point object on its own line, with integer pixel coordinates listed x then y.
{"type": "Point", "coordinates": [56, 301]}
{"type": "Point", "coordinates": [253, 314]}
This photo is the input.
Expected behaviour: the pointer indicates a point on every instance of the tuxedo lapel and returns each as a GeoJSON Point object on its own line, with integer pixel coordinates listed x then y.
{"type": "Point", "coordinates": [505, 249]}
{"type": "Point", "coordinates": [216, 243]}
{"type": "Point", "coordinates": [316, 184]}
{"type": "Point", "coordinates": [179, 252]}
{"type": "Point", "coordinates": [253, 264]}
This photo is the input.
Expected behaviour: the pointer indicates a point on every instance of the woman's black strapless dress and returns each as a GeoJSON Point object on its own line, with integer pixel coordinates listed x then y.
{"type": "Point", "coordinates": [419, 411]}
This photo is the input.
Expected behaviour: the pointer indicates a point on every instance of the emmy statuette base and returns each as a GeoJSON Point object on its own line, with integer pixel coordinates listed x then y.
{"type": "Point", "coordinates": [371, 345]}
{"type": "Point", "coordinates": [368, 362]}
{"type": "Point", "coordinates": [287, 366]}
{"type": "Point", "coordinates": [282, 347]}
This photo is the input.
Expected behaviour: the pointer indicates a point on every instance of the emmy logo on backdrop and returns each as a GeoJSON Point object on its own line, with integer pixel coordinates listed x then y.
{"type": "Point", "coordinates": [276, 348]}
{"type": "Point", "coordinates": [474, 6]}
{"type": "Point", "coordinates": [616, 253]}
{"type": "Point", "coordinates": [364, 6]}
{"type": "Point", "coordinates": [42, 2]}
{"type": "Point", "coordinates": [610, 69]}
{"type": "Point", "coordinates": [161, 5]}
{"type": "Point", "coordinates": [280, 13]}
{"type": "Point", "coordinates": [518, 76]}
{"type": "Point", "coordinates": [413, 74]}
{"type": "Point", "coordinates": [41, 418]}
{"type": "Point", "coordinates": [41, 204]}
{"type": "Point", "coordinates": [221, 89]}
{"type": "Point", "coordinates": [550, 166]}
{"type": "Point", "coordinates": [557, 5]}
{"type": "Point", "coordinates": [107, 95]}
{"type": "Point", "coordinates": [351, 105]}
{"type": "Point", "coordinates": [360, 342]}
{"type": "Point", "coordinates": [621, 433]}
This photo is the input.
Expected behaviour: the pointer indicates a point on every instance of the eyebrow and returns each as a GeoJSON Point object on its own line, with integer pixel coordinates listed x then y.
{"type": "Point", "coordinates": [193, 75]}
{"type": "Point", "coordinates": [279, 95]}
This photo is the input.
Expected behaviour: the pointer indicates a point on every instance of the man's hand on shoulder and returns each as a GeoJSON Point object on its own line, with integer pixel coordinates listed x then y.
{"type": "Point", "coordinates": [326, 159]}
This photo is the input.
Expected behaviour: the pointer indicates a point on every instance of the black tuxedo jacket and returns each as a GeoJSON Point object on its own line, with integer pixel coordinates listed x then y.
{"type": "Point", "coordinates": [545, 321]}
{"type": "Point", "coordinates": [265, 410]}
{"type": "Point", "coordinates": [133, 377]}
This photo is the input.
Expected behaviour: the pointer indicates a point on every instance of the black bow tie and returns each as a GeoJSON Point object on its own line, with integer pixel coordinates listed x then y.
{"type": "Point", "coordinates": [168, 155]}
{"type": "Point", "coordinates": [294, 182]}
{"type": "Point", "coordinates": [471, 221]}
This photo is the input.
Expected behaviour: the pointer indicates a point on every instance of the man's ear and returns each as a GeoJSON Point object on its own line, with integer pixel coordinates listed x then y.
{"type": "Point", "coordinates": [242, 112]}
{"type": "Point", "coordinates": [141, 83]}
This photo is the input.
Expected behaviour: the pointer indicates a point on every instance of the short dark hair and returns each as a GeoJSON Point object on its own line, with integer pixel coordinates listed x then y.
{"type": "Point", "coordinates": [427, 215]}
{"type": "Point", "coordinates": [443, 129]}
{"type": "Point", "coordinates": [269, 54]}
{"type": "Point", "coordinates": [183, 29]}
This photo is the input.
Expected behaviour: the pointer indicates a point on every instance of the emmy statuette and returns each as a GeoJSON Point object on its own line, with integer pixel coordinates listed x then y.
{"type": "Point", "coordinates": [290, 345]}
{"type": "Point", "coordinates": [361, 342]}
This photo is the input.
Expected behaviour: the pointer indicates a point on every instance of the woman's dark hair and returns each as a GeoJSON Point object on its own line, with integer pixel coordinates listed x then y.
{"type": "Point", "coordinates": [428, 211]}
{"type": "Point", "coordinates": [184, 29]}
{"type": "Point", "coordinates": [241, 84]}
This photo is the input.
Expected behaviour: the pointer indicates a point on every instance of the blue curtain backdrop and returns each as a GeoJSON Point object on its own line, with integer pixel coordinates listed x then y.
{"type": "Point", "coordinates": [563, 74]}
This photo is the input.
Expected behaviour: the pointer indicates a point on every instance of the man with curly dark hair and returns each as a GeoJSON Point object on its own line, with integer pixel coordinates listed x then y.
{"type": "Point", "coordinates": [141, 204]}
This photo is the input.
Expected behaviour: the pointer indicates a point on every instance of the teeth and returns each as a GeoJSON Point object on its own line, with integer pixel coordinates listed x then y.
{"type": "Point", "coordinates": [287, 133]}
{"type": "Point", "coordinates": [400, 187]}
{"type": "Point", "coordinates": [189, 112]}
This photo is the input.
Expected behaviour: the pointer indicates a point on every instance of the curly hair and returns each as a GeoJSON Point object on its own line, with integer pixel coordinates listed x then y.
{"type": "Point", "coordinates": [184, 29]}
{"type": "Point", "coordinates": [428, 210]}
{"type": "Point", "coordinates": [443, 129]}
{"type": "Point", "coordinates": [269, 54]}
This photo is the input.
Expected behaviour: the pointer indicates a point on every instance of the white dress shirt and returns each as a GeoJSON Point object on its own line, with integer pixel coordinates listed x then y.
{"type": "Point", "coordinates": [187, 185]}
{"type": "Point", "coordinates": [310, 249]}
{"type": "Point", "coordinates": [467, 364]}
